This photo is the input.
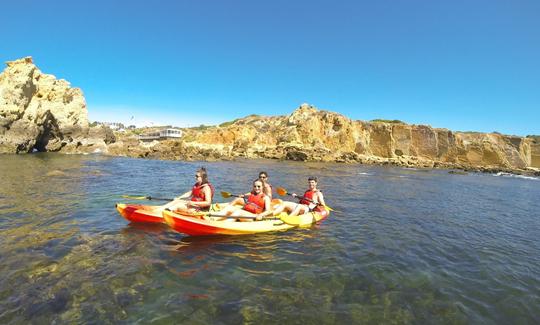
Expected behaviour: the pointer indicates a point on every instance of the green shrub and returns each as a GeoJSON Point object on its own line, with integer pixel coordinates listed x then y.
{"type": "Point", "coordinates": [387, 121]}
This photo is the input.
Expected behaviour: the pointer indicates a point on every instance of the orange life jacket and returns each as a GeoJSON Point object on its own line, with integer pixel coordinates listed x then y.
{"type": "Point", "coordinates": [255, 203]}
{"type": "Point", "coordinates": [309, 194]}
{"type": "Point", "coordinates": [197, 192]}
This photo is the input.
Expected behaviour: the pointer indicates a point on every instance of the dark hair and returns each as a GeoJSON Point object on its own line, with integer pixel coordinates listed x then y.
{"type": "Point", "coordinates": [204, 175]}
{"type": "Point", "coordinates": [263, 172]}
{"type": "Point", "coordinates": [312, 178]}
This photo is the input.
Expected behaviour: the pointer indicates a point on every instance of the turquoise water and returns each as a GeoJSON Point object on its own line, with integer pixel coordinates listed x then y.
{"type": "Point", "coordinates": [409, 246]}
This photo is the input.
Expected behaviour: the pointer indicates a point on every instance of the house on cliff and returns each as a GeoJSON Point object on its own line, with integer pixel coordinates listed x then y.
{"type": "Point", "coordinates": [161, 135]}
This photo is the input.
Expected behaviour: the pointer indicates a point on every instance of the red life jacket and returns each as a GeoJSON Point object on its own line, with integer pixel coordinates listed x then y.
{"type": "Point", "coordinates": [197, 192]}
{"type": "Point", "coordinates": [255, 203]}
{"type": "Point", "coordinates": [309, 194]}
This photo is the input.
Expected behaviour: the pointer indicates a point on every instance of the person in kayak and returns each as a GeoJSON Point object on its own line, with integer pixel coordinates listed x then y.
{"type": "Point", "coordinates": [312, 200]}
{"type": "Point", "coordinates": [267, 189]}
{"type": "Point", "coordinates": [200, 196]}
{"type": "Point", "coordinates": [263, 176]}
{"type": "Point", "coordinates": [256, 204]}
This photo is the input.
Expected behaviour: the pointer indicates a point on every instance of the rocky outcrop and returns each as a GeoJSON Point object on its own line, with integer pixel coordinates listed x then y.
{"type": "Point", "coordinates": [41, 113]}
{"type": "Point", "coordinates": [309, 134]}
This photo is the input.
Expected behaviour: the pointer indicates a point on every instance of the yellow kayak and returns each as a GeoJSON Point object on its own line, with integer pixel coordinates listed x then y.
{"type": "Point", "coordinates": [208, 225]}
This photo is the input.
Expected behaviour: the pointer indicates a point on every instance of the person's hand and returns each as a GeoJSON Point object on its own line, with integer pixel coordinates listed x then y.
{"type": "Point", "coordinates": [258, 217]}
{"type": "Point", "coordinates": [294, 195]}
{"type": "Point", "coordinates": [241, 196]}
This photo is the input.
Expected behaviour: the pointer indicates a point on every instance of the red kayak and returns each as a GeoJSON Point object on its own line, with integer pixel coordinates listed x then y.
{"type": "Point", "coordinates": [153, 213]}
{"type": "Point", "coordinates": [141, 213]}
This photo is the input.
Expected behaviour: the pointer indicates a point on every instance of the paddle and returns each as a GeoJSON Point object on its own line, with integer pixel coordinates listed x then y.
{"type": "Point", "coordinates": [146, 198]}
{"type": "Point", "coordinates": [233, 217]}
{"type": "Point", "coordinates": [227, 195]}
{"type": "Point", "coordinates": [242, 217]}
{"type": "Point", "coordinates": [281, 191]}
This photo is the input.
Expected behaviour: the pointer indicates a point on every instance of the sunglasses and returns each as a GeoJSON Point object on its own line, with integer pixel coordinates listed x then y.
{"type": "Point", "coordinates": [263, 177]}
{"type": "Point", "coordinates": [257, 186]}
{"type": "Point", "coordinates": [197, 176]}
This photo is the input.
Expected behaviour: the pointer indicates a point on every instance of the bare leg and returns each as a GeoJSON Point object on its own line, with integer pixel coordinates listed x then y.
{"type": "Point", "coordinates": [299, 209]}
{"type": "Point", "coordinates": [285, 206]}
{"type": "Point", "coordinates": [175, 204]}
{"type": "Point", "coordinates": [227, 210]}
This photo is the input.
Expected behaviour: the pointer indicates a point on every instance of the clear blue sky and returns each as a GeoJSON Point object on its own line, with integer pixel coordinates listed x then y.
{"type": "Point", "coordinates": [460, 64]}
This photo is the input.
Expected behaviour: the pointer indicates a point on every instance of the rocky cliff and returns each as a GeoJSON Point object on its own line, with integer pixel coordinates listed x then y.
{"type": "Point", "coordinates": [41, 113]}
{"type": "Point", "coordinates": [309, 134]}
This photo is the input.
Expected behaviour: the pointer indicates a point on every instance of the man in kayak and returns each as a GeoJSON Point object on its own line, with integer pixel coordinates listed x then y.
{"type": "Point", "coordinates": [267, 189]}
{"type": "Point", "coordinates": [200, 195]}
{"type": "Point", "coordinates": [263, 176]}
{"type": "Point", "coordinates": [312, 200]}
{"type": "Point", "coordinates": [257, 204]}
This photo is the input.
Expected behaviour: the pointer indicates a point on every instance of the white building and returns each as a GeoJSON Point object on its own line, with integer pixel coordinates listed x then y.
{"type": "Point", "coordinates": [161, 135]}
{"type": "Point", "coordinates": [113, 125]}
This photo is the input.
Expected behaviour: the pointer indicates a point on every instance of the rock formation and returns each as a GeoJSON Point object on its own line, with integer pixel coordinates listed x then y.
{"type": "Point", "coordinates": [41, 113]}
{"type": "Point", "coordinates": [309, 134]}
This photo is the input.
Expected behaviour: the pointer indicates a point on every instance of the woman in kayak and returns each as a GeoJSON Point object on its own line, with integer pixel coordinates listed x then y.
{"type": "Point", "coordinates": [312, 200]}
{"type": "Point", "coordinates": [200, 196]}
{"type": "Point", "coordinates": [256, 204]}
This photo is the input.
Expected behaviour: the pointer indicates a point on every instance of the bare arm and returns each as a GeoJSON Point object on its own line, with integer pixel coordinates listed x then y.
{"type": "Point", "coordinates": [268, 191]}
{"type": "Point", "coordinates": [320, 198]}
{"type": "Point", "coordinates": [183, 196]}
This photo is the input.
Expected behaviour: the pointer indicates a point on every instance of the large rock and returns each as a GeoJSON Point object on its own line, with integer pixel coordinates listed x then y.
{"type": "Point", "coordinates": [40, 112]}
{"type": "Point", "coordinates": [309, 134]}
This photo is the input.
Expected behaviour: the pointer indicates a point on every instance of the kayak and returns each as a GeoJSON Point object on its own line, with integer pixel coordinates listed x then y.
{"type": "Point", "coordinates": [153, 213]}
{"type": "Point", "coordinates": [209, 225]}
{"type": "Point", "coordinates": [141, 213]}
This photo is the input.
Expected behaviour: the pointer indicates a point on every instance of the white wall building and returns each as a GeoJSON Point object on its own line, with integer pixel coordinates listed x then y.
{"type": "Point", "coordinates": [161, 134]}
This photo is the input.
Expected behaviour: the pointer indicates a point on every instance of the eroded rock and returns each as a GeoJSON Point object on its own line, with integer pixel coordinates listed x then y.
{"type": "Point", "coordinates": [41, 113]}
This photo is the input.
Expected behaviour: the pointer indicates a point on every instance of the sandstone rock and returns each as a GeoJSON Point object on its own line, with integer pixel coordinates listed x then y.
{"type": "Point", "coordinates": [309, 134]}
{"type": "Point", "coordinates": [40, 112]}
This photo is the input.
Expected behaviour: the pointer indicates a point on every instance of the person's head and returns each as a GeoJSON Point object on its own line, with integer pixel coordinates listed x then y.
{"type": "Point", "coordinates": [257, 186]}
{"type": "Point", "coordinates": [201, 176]}
{"type": "Point", "coordinates": [312, 182]}
{"type": "Point", "coordinates": [263, 176]}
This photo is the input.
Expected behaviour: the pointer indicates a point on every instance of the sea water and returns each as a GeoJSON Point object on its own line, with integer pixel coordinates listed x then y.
{"type": "Point", "coordinates": [403, 246]}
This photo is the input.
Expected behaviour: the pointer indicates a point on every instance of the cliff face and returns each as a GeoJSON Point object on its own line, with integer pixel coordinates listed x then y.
{"type": "Point", "coordinates": [40, 112]}
{"type": "Point", "coordinates": [309, 134]}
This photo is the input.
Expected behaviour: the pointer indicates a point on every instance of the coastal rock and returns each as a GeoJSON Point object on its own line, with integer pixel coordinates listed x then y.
{"type": "Point", "coordinates": [309, 134]}
{"type": "Point", "coordinates": [41, 113]}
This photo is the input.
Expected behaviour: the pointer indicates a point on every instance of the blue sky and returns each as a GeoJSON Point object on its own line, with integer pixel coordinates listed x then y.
{"type": "Point", "coordinates": [463, 65]}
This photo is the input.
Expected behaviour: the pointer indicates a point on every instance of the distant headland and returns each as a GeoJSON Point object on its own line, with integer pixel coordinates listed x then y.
{"type": "Point", "coordinates": [41, 113]}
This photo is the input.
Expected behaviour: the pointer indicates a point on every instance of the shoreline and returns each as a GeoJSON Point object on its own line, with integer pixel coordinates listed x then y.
{"type": "Point", "coordinates": [389, 162]}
